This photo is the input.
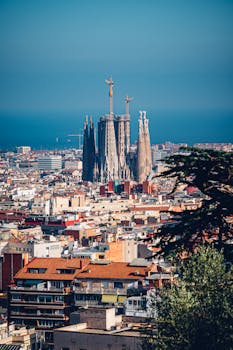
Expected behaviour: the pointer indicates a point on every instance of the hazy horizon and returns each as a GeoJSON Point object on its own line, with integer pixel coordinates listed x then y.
{"type": "Point", "coordinates": [42, 129]}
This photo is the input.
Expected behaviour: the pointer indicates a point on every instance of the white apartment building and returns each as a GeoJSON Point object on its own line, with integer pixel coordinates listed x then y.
{"type": "Point", "coordinates": [50, 163]}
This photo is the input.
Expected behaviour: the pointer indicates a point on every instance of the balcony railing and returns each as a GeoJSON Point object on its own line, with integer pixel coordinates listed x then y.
{"type": "Point", "coordinates": [99, 290]}
{"type": "Point", "coordinates": [52, 303]}
{"type": "Point", "coordinates": [86, 302]}
{"type": "Point", "coordinates": [37, 316]}
{"type": "Point", "coordinates": [62, 290]}
{"type": "Point", "coordinates": [24, 303]}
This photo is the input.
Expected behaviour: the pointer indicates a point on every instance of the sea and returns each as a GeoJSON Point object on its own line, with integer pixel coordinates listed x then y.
{"type": "Point", "coordinates": [52, 130]}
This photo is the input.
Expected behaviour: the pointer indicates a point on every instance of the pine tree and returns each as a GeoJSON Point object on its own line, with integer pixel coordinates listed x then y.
{"type": "Point", "coordinates": [211, 172]}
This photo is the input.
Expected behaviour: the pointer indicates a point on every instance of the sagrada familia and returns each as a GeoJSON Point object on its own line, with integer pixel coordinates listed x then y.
{"type": "Point", "coordinates": [113, 159]}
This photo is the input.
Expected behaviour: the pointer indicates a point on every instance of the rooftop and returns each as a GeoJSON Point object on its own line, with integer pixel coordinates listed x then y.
{"type": "Point", "coordinates": [69, 269]}
{"type": "Point", "coordinates": [81, 328]}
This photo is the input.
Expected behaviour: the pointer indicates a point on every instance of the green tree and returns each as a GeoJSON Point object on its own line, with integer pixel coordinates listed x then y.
{"type": "Point", "coordinates": [211, 172]}
{"type": "Point", "coordinates": [195, 313]}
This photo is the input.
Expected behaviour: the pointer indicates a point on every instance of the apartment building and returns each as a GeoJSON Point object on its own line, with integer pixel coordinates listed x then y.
{"type": "Point", "coordinates": [109, 283]}
{"type": "Point", "coordinates": [41, 296]}
{"type": "Point", "coordinates": [47, 290]}
{"type": "Point", "coordinates": [99, 328]}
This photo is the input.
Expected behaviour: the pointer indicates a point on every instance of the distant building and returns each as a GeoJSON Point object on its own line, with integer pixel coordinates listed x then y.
{"type": "Point", "coordinates": [50, 163]}
{"type": "Point", "coordinates": [10, 264]}
{"type": "Point", "coordinates": [89, 152]}
{"type": "Point", "coordinates": [98, 328]}
{"type": "Point", "coordinates": [114, 158]}
{"type": "Point", "coordinates": [23, 149]}
{"type": "Point", "coordinates": [17, 339]}
{"type": "Point", "coordinates": [43, 249]}
{"type": "Point", "coordinates": [73, 165]}
{"type": "Point", "coordinates": [144, 158]}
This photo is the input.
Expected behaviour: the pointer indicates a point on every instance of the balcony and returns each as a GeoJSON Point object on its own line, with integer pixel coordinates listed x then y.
{"type": "Point", "coordinates": [99, 290]}
{"type": "Point", "coordinates": [40, 316]}
{"type": "Point", "coordinates": [52, 304]}
{"type": "Point", "coordinates": [87, 302]}
{"type": "Point", "coordinates": [33, 289]}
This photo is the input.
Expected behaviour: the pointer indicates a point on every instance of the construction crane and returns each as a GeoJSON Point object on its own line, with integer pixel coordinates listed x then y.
{"type": "Point", "coordinates": [79, 138]}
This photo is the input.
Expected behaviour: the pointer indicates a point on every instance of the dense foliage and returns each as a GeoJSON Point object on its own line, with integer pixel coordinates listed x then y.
{"type": "Point", "coordinates": [211, 172]}
{"type": "Point", "coordinates": [195, 313]}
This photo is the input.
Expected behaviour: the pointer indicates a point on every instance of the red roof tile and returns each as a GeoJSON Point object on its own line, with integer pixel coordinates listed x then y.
{"type": "Point", "coordinates": [112, 270]}
{"type": "Point", "coordinates": [52, 266]}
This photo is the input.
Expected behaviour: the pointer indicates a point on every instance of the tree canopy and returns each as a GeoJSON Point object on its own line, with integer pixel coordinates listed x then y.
{"type": "Point", "coordinates": [195, 313]}
{"type": "Point", "coordinates": [211, 172]}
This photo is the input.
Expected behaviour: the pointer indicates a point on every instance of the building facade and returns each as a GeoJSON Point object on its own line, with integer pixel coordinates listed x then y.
{"type": "Point", "coordinates": [50, 163]}
{"type": "Point", "coordinates": [89, 152]}
{"type": "Point", "coordinates": [41, 296]}
{"type": "Point", "coordinates": [98, 328]}
{"type": "Point", "coordinates": [144, 158]}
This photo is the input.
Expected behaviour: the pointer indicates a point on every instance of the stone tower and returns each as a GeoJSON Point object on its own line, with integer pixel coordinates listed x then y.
{"type": "Point", "coordinates": [148, 156]}
{"type": "Point", "coordinates": [89, 152]}
{"type": "Point", "coordinates": [85, 175]}
{"type": "Point", "coordinates": [113, 161]}
{"type": "Point", "coordinates": [144, 160]}
{"type": "Point", "coordinates": [108, 158]}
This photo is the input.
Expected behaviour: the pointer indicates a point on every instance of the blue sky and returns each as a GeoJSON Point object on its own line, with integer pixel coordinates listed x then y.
{"type": "Point", "coordinates": [168, 55]}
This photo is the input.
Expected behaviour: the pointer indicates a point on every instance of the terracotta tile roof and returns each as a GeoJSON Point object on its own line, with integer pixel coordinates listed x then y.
{"type": "Point", "coordinates": [114, 270]}
{"type": "Point", "coordinates": [52, 266]}
{"type": "Point", "coordinates": [150, 208]}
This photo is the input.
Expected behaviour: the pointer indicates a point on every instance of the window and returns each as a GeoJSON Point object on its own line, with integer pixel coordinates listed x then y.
{"type": "Point", "coordinates": [35, 270]}
{"type": "Point", "coordinates": [45, 299]}
{"type": "Point", "coordinates": [118, 284]}
{"type": "Point", "coordinates": [66, 271]}
{"type": "Point", "coordinates": [46, 323]}
{"type": "Point", "coordinates": [57, 284]}
{"type": "Point", "coordinates": [59, 298]}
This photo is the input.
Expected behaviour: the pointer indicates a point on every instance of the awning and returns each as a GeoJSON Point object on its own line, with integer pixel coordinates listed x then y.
{"type": "Point", "coordinates": [121, 299]}
{"type": "Point", "coordinates": [31, 282]}
{"type": "Point", "coordinates": [109, 298]}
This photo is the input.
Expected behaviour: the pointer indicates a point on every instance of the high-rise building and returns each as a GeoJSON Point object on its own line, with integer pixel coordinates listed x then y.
{"type": "Point", "coordinates": [113, 157]}
{"type": "Point", "coordinates": [50, 163]}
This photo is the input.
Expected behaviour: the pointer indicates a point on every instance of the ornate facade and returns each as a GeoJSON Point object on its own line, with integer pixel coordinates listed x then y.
{"type": "Point", "coordinates": [144, 158]}
{"type": "Point", "coordinates": [113, 161]}
{"type": "Point", "coordinates": [89, 152]}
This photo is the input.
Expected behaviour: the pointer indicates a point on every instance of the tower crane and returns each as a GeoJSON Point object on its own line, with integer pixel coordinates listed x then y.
{"type": "Point", "coordinates": [79, 138]}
